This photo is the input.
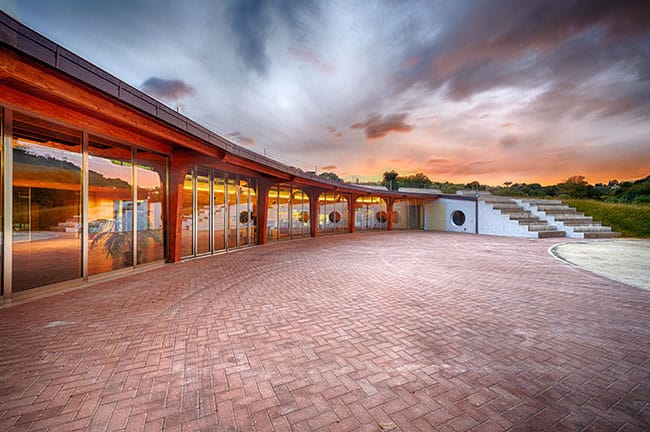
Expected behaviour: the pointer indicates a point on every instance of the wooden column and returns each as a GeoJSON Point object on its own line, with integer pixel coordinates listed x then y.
{"type": "Point", "coordinates": [265, 185]}
{"type": "Point", "coordinates": [179, 165]}
{"type": "Point", "coordinates": [352, 199]}
{"type": "Point", "coordinates": [389, 211]}
{"type": "Point", "coordinates": [313, 213]}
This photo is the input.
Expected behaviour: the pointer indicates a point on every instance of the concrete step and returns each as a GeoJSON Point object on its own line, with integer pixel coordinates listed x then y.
{"type": "Point", "coordinates": [551, 234]}
{"type": "Point", "coordinates": [518, 214]}
{"type": "Point", "coordinates": [512, 207]}
{"type": "Point", "coordinates": [592, 228]}
{"type": "Point", "coordinates": [539, 201]}
{"type": "Point", "coordinates": [494, 198]}
{"type": "Point", "coordinates": [578, 222]}
{"type": "Point", "coordinates": [599, 235]}
{"type": "Point", "coordinates": [530, 220]}
{"type": "Point", "coordinates": [540, 227]}
{"type": "Point", "coordinates": [558, 211]}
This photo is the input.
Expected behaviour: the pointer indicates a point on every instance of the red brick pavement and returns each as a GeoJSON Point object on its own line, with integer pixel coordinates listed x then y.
{"type": "Point", "coordinates": [403, 331]}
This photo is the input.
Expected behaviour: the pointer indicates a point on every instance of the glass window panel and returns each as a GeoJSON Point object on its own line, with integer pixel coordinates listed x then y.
{"type": "Point", "coordinates": [220, 216]}
{"type": "Point", "coordinates": [233, 214]}
{"type": "Point", "coordinates": [203, 210]}
{"type": "Point", "coordinates": [341, 207]}
{"type": "Point", "coordinates": [252, 191]}
{"type": "Point", "coordinates": [46, 203]}
{"type": "Point", "coordinates": [300, 211]}
{"type": "Point", "coordinates": [187, 229]}
{"type": "Point", "coordinates": [284, 224]}
{"type": "Point", "coordinates": [272, 214]}
{"type": "Point", "coordinates": [110, 206]}
{"type": "Point", "coordinates": [244, 212]}
{"type": "Point", "coordinates": [151, 177]}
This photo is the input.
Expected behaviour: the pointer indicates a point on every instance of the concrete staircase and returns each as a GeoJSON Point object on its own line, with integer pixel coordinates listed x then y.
{"type": "Point", "coordinates": [574, 223]}
{"type": "Point", "coordinates": [72, 225]}
{"type": "Point", "coordinates": [532, 225]}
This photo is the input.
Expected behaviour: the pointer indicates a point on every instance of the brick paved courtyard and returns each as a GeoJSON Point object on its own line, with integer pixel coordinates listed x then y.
{"type": "Point", "coordinates": [382, 331]}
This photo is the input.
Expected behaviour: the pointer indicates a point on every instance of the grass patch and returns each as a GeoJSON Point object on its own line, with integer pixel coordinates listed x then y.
{"type": "Point", "coordinates": [631, 220]}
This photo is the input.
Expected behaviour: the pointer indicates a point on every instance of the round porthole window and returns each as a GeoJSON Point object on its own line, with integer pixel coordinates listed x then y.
{"type": "Point", "coordinates": [335, 217]}
{"type": "Point", "coordinates": [458, 218]}
{"type": "Point", "coordinates": [381, 216]}
{"type": "Point", "coordinates": [303, 217]}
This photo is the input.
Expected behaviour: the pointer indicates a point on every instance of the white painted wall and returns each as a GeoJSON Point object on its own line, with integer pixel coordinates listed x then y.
{"type": "Point", "coordinates": [438, 215]}
{"type": "Point", "coordinates": [492, 222]}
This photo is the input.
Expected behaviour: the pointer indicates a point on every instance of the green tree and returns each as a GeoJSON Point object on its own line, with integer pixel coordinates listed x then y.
{"type": "Point", "coordinates": [389, 179]}
{"type": "Point", "coordinates": [418, 180]}
{"type": "Point", "coordinates": [330, 176]}
{"type": "Point", "coordinates": [576, 187]}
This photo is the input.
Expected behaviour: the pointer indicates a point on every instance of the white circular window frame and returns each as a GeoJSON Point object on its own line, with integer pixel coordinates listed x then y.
{"type": "Point", "coordinates": [451, 218]}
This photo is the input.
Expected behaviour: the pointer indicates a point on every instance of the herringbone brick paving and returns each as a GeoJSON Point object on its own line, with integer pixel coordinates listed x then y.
{"type": "Point", "coordinates": [404, 331]}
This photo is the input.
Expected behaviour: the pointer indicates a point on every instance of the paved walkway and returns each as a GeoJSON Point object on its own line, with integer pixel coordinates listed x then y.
{"type": "Point", "coordinates": [405, 331]}
{"type": "Point", "coordinates": [626, 261]}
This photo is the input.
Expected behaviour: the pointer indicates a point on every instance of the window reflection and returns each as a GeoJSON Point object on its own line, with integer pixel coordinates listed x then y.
{"type": "Point", "coordinates": [300, 212]}
{"type": "Point", "coordinates": [151, 218]}
{"type": "Point", "coordinates": [110, 206]}
{"type": "Point", "coordinates": [46, 203]}
{"type": "Point", "coordinates": [233, 215]}
{"type": "Point", "coordinates": [187, 230]}
{"type": "Point", "coordinates": [244, 212]}
{"type": "Point", "coordinates": [219, 220]}
{"type": "Point", "coordinates": [203, 210]}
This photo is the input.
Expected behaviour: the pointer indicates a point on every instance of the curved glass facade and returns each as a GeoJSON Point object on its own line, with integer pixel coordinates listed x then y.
{"type": "Point", "coordinates": [370, 213]}
{"type": "Point", "coordinates": [332, 213]}
{"type": "Point", "coordinates": [288, 215]}
{"type": "Point", "coordinates": [218, 211]}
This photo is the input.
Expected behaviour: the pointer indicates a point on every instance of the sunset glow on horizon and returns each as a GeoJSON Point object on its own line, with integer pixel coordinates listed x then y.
{"type": "Point", "coordinates": [490, 91]}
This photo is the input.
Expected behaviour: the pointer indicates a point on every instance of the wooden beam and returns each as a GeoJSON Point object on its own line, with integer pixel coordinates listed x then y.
{"type": "Point", "coordinates": [46, 81]}
{"type": "Point", "coordinates": [19, 100]}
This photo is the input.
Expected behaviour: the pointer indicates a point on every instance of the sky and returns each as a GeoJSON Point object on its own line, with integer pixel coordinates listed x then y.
{"type": "Point", "coordinates": [484, 90]}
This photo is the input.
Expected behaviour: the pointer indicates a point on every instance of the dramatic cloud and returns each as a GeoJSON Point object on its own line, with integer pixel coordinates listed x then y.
{"type": "Point", "coordinates": [252, 22]}
{"type": "Point", "coordinates": [334, 132]}
{"type": "Point", "coordinates": [378, 127]}
{"type": "Point", "coordinates": [532, 90]}
{"type": "Point", "coordinates": [241, 139]}
{"type": "Point", "coordinates": [166, 89]}
{"type": "Point", "coordinates": [328, 167]}
{"type": "Point", "coordinates": [531, 44]}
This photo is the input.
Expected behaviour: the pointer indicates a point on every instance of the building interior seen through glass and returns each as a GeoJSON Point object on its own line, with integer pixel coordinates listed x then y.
{"type": "Point", "coordinates": [288, 213]}
{"type": "Point", "coordinates": [218, 211]}
{"type": "Point", "coordinates": [410, 214]}
{"type": "Point", "coordinates": [370, 213]}
{"type": "Point", "coordinates": [333, 213]}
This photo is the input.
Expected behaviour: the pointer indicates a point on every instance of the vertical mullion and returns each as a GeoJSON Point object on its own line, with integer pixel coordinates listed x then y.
{"type": "Point", "coordinates": [84, 205]}
{"type": "Point", "coordinates": [195, 213]}
{"type": "Point", "coordinates": [226, 212]}
{"type": "Point", "coordinates": [211, 207]}
{"type": "Point", "coordinates": [290, 211]}
{"type": "Point", "coordinates": [134, 206]}
{"type": "Point", "coordinates": [166, 226]}
{"type": "Point", "coordinates": [248, 214]}
{"type": "Point", "coordinates": [7, 201]}
{"type": "Point", "coordinates": [238, 189]}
